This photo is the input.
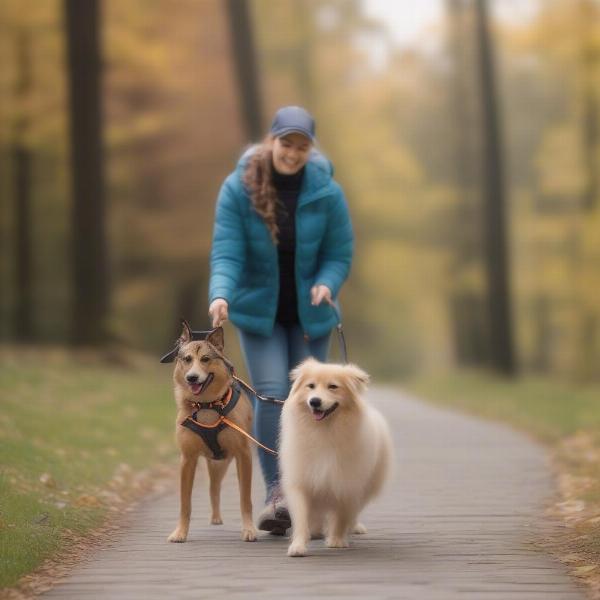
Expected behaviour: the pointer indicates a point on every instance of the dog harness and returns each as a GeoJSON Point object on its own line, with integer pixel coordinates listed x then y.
{"type": "Point", "coordinates": [210, 433]}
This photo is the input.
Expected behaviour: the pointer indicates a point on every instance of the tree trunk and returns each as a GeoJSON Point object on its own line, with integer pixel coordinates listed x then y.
{"type": "Point", "coordinates": [244, 57]}
{"type": "Point", "coordinates": [89, 251]}
{"type": "Point", "coordinates": [23, 321]}
{"type": "Point", "coordinates": [589, 67]}
{"type": "Point", "coordinates": [495, 236]}
{"type": "Point", "coordinates": [470, 331]}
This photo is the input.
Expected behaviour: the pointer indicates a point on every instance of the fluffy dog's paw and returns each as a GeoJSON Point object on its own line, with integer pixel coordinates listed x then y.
{"type": "Point", "coordinates": [216, 521]}
{"type": "Point", "coordinates": [178, 536]}
{"type": "Point", "coordinates": [359, 528]}
{"type": "Point", "coordinates": [249, 534]}
{"type": "Point", "coordinates": [334, 542]}
{"type": "Point", "coordinates": [296, 549]}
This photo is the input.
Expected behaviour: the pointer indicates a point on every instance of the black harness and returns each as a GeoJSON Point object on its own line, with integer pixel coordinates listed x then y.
{"type": "Point", "coordinates": [209, 433]}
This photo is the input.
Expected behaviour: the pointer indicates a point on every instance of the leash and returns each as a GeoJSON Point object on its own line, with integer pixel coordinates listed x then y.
{"type": "Point", "coordinates": [340, 331]}
{"type": "Point", "coordinates": [200, 335]}
{"type": "Point", "coordinates": [250, 389]}
{"type": "Point", "coordinates": [222, 420]}
{"type": "Point", "coordinates": [237, 428]}
{"type": "Point", "coordinates": [209, 431]}
{"type": "Point", "coordinates": [343, 351]}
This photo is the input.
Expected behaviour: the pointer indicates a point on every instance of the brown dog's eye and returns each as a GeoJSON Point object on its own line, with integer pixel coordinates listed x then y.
{"type": "Point", "coordinates": [187, 359]}
{"type": "Point", "coordinates": [205, 359]}
{"type": "Point", "coordinates": [333, 386]}
{"type": "Point", "coordinates": [311, 386]}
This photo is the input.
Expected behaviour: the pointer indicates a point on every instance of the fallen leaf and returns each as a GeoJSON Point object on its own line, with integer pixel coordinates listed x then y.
{"type": "Point", "coordinates": [42, 519]}
{"type": "Point", "coordinates": [569, 558]}
{"type": "Point", "coordinates": [586, 570]}
{"type": "Point", "coordinates": [571, 506]}
{"type": "Point", "coordinates": [47, 480]}
{"type": "Point", "coordinates": [87, 500]}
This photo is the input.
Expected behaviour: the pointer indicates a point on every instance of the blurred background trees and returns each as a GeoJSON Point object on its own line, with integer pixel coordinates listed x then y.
{"type": "Point", "coordinates": [416, 132]}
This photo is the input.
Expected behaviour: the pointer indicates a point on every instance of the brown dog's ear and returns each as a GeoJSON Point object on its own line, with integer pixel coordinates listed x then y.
{"type": "Point", "coordinates": [186, 332]}
{"type": "Point", "coordinates": [216, 338]}
{"type": "Point", "coordinates": [359, 379]}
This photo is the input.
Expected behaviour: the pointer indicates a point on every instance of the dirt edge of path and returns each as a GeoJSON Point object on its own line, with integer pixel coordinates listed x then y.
{"type": "Point", "coordinates": [78, 549]}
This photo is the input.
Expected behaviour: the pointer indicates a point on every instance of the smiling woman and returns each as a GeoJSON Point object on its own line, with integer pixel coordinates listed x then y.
{"type": "Point", "coordinates": [290, 153]}
{"type": "Point", "coordinates": [282, 248]}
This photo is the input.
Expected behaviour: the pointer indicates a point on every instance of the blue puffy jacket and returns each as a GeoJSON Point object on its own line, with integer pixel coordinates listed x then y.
{"type": "Point", "coordinates": [244, 262]}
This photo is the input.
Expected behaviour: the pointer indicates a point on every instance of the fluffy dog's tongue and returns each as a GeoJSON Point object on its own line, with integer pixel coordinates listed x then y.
{"type": "Point", "coordinates": [318, 414]}
{"type": "Point", "coordinates": [196, 388]}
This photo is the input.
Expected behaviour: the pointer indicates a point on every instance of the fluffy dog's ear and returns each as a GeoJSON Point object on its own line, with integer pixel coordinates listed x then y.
{"type": "Point", "coordinates": [298, 370]}
{"type": "Point", "coordinates": [186, 332]}
{"type": "Point", "coordinates": [359, 379]}
{"type": "Point", "coordinates": [216, 338]}
{"type": "Point", "coordinates": [296, 374]}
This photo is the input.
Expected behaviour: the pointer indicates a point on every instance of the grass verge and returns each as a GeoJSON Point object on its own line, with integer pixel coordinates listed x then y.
{"type": "Point", "coordinates": [563, 416]}
{"type": "Point", "coordinates": [76, 436]}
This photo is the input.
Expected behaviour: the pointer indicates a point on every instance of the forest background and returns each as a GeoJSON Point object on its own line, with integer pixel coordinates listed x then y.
{"type": "Point", "coordinates": [469, 159]}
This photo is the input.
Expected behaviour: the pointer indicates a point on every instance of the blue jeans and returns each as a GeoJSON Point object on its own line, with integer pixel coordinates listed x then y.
{"type": "Point", "coordinates": [269, 361]}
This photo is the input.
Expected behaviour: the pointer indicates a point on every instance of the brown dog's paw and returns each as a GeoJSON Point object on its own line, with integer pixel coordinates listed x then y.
{"type": "Point", "coordinates": [216, 521]}
{"type": "Point", "coordinates": [178, 536]}
{"type": "Point", "coordinates": [249, 534]}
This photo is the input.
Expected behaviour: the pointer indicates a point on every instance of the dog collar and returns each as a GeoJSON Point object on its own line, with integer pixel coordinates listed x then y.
{"type": "Point", "coordinates": [220, 403]}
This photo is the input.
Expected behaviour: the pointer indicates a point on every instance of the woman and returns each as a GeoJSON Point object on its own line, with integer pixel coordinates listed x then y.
{"type": "Point", "coordinates": [282, 248]}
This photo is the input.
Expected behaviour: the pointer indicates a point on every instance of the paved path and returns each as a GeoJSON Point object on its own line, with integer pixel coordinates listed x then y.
{"type": "Point", "coordinates": [457, 522]}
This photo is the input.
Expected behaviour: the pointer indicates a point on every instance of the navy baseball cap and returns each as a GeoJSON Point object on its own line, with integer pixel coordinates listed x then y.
{"type": "Point", "coordinates": [293, 119]}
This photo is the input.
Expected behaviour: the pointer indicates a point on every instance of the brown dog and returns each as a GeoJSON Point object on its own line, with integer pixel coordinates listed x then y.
{"type": "Point", "coordinates": [203, 385]}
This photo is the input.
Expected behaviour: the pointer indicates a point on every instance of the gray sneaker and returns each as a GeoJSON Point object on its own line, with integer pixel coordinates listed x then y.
{"type": "Point", "coordinates": [275, 517]}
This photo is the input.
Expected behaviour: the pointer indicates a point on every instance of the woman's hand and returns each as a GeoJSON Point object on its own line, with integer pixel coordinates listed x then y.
{"type": "Point", "coordinates": [318, 293]}
{"type": "Point", "coordinates": [218, 311]}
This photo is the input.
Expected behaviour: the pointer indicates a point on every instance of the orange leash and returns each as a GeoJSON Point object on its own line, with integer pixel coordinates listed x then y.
{"type": "Point", "coordinates": [231, 424]}
{"type": "Point", "coordinates": [237, 428]}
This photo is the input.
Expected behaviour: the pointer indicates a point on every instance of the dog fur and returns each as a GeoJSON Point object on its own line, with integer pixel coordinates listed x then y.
{"type": "Point", "coordinates": [335, 458]}
{"type": "Point", "coordinates": [198, 358]}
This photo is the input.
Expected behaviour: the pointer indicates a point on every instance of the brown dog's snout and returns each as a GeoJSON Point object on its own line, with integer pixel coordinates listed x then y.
{"type": "Point", "coordinates": [191, 378]}
{"type": "Point", "coordinates": [315, 402]}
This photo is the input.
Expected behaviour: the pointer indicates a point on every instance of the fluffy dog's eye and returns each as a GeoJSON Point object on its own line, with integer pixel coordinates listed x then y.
{"type": "Point", "coordinates": [333, 386]}
{"type": "Point", "coordinates": [311, 386]}
{"type": "Point", "coordinates": [187, 359]}
{"type": "Point", "coordinates": [205, 359]}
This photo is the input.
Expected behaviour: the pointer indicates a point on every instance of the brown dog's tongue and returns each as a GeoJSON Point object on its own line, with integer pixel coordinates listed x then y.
{"type": "Point", "coordinates": [196, 388]}
{"type": "Point", "coordinates": [318, 414]}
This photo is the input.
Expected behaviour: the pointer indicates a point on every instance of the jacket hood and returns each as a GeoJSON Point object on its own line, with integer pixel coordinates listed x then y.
{"type": "Point", "coordinates": [318, 174]}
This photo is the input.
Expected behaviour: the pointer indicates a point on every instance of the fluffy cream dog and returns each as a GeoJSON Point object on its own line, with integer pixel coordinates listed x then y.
{"type": "Point", "coordinates": [335, 453]}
